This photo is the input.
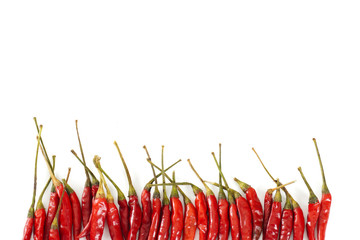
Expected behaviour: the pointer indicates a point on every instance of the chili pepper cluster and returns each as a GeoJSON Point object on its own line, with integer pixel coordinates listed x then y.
{"type": "Point", "coordinates": [235, 215]}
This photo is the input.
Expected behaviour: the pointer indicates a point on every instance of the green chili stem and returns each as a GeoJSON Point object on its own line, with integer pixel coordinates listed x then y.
{"type": "Point", "coordinates": [35, 169]}
{"type": "Point", "coordinates": [324, 187]}
{"type": "Point", "coordinates": [91, 173]}
{"type": "Point", "coordinates": [219, 168]}
{"type": "Point", "coordinates": [81, 150]}
{"type": "Point", "coordinates": [153, 171]}
{"type": "Point", "coordinates": [131, 187]}
{"type": "Point", "coordinates": [312, 197]}
{"type": "Point", "coordinates": [208, 190]}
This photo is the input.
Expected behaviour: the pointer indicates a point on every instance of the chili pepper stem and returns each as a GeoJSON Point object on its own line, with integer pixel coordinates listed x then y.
{"type": "Point", "coordinates": [131, 187]}
{"type": "Point", "coordinates": [156, 192]}
{"type": "Point", "coordinates": [324, 189]}
{"type": "Point", "coordinates": [109, 197]}
{"type": "Point", "coordinates": [41, 141]}
{"type": "Point", "coordinates": [35, 168]}
{"type": "Point", "coordinates": [121, 195]}
{"type": "Point", "coordinates": [208, 190]}
{"type": "Point", "coordinates": [94, 180]}
{"type": "Point", "coordinates": [100, 192]}
{"type": "Point", "coordinates": [312, 198]}
{"type": "Point", "coordinates": [81, 150]}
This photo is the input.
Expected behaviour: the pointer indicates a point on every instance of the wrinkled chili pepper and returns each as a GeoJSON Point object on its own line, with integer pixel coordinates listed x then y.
{"type": "Point", "coordinates": [86, 197]}
{"type": "Point", "coordinates": [325, 201]}
{"type": "Point", "coordinates": [99, 211]}
{"type": "Point", "coordinates": [29, 224]}
{"type": "Point", "coordinates": [146, 213]}
{"type": "Point", "coordinates": [65, 211]}
{"type": "Point", "coordinates": [299, 222]}
{"type": "Point", "coordinates": [268, 200]}
{"type": "Point", "coordinates": [287, 220]}
{"type": "Point", "coordinates": [40, 215]}
{"type": "Point", "coordinates": [213, 208]}
{"type": "Point", "coordinates": [177, 216]}
{"type": "Point", "coordinates": [76, 209]}
{"type": "Point", "coordinates": [135, 210]}
{"type": "Point", "coordinates": [223, 206]}
{"type": "Point", "coordinates": [54, 229]}
{"type": "Point", "coordinates": [255, 206]}
{"type": "Point", "coordinates": [273, 226]}
{"type": "Point", "coordinates": [313, 210]}
{"type": "Point", "coordinates": [53, 205]}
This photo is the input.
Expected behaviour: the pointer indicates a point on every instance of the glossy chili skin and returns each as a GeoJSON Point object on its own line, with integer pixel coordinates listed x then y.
{"type": "Point", "coordinates": [268, 200]}
{"type": "Point", "coordinates": [155, 218]}
{"type": "Point", "coordinates": [86, 204]}
{"type": "Point", "coordinates": [94, 189]}
{"type": "Point", "coordinates": [202, 219]}
{"type": "Point", "coordinates": [113, 220]}
{"type": "Point", "coordinates": [40, 217]}
{"type": "Point", "coordinates": [76, 210]}
{"type": "Point", "coordinates": [65, 217]}
{"type": "Point", "coordinates": [234, 220]}
{"type": "Point", "coordinates": [29, 225]}
{"type": "Point", "coordinates": [190, 221]}
{"type": "Point", "coordinates": [97, 224]}
{"type": "Point", "coordinates": [273, 227]}
{"type": "Point", "coordinates": [146, 214]}
{"type": "Point", "coordinates": [53, 204]}
{"type": "Point", "coordinates": [124, 213]}
{"type": "Point", "coordinates": [224, 224]}
{"type": "Point", "coordinates": [213, 217]}
{"type": "Point", "coordinates": [245, 217]}
{"type": "Point", "coordinates": [54, 234]}
{"type": "Point", "coordinates": [165, 223]}
{"type": "Point", "coordinates": [312, 218]}
{"type": "Point", "coordinates": [287, 221]}
{"type": "Point", "coordinates": [324, 215]}
{"type": "Point", "coordinates": [299, 222]}
{"type": "Point", "coordinates": [256, 211]}
{"type": "Point", "coordinates": [135, 217]}
{"type": "Point", "coordinates": [177, 218]}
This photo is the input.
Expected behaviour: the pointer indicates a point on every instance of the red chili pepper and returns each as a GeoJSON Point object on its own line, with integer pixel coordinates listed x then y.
{"type": "Point", "coordinates": [245, 216]}
{"type": "Point", "coordinates": [268, 200]}
{"type": "Point", "coordinates": [177, 215]}
{"type": "Point", "coordinates": [135, 210]}
{"type": "Point", "coordinates": [53, 205]}
{"type": "Point", "coordinates": [273, 226]}
{"type": "Point", "coordinates": [313, 210]}
{"type": "Point", "coordinates": [40, 215]}
{"type": "Point", "coordinates": [287, 220]}
{"type": "Point", "coordinates": [156, 212]}
{"type": "Point", "coordinates": [255, 206]}
{"type": "Point", "coordinates": [76, 209]}
{"type": "Point", "coordinates": [29, 224]}
{"type": "Point", "coordinates": [223, 206]}
{"type": "Point", "coordinates": [54, 229]}
{"type": "Point", "coordinates": [113, 218]}
{"type": "Point", "coordinates": [299, 225]}
{"type": "Point", "coordinates": [325, 201]}
{"type": "Point", "coordinates": [146, 213]}
{"type": "Point", "coordinates": [213, 208]}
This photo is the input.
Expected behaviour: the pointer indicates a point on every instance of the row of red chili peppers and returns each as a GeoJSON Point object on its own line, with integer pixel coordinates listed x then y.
{"type": "Point", "coordinates": [243, 218]}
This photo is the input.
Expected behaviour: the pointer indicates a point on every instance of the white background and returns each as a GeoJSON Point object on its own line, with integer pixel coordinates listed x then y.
{"type": "Point", "coordinates": [186, 74]}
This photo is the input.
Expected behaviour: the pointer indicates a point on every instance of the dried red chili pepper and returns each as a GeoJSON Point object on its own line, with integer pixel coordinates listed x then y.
{"type": "Point", "coordinates": [53, 204]}
{"type": "Point", "coordinates": [273, 226]}
{"type": "Point", "coordinates": [76, 209]}
{"type": "Point", "coordinates": [54, 229]}
{"type": "Point", "coordinates": [223, 206]}
{"type": "Point", "coordinates": [135, 210]}
{"type": "Point", "coordinates": [255, 206]}
{"type": "Point", "coordinates": [113, 218]}
{"type": "Point", "coordinates": [164, 227]}
{"type": "Point", "coordinates": [299, 222]}
{"type": "Point", "coordinates": [325, 201]}
{"type": "Point", "coordinates": [66, 211]}
{"type": "Point", "coordinates": [177, 215]}
{"type": "Point", "coordinates": [99, 211]}
{"type": "Point", "coordinates": [287, 220]}
{"type": "Point", "coordinates": [29, 224]}
{"type": "Point", "coordinates": [268, 200]}
{"type": "Point", "coordinates": [213, 208]}
{"type": "Point", "coordinates": [313, 210]}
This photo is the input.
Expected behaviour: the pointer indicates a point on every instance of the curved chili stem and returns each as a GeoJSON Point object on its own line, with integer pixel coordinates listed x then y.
{"type": "Point", "coordinates": [100, 192]}
{"type": "Point", "coordinates": [131, 187]}
{"type": "Point", "coordinates": [91, 173]}
{"type": "Point", "coordinates": [186, 199]}
{"type": "Point", "coordinates": [42, 143]}
{"type": "Point", "coordinates": [157, 192]}
{"type": "Point", "coordinates": [208, 190]}
{"type": "Point", "coordinates": [81, 150]}
{"type": "Point", "coordinates": [324, 189]}
{"type": "Point", "coordinates": [35, 169]}
{"type": "Point", "coordinates": [68, 174]}
{"type": "Point", "coordinates": [220, 178]}
{"type": "Point", "coordinates": [219, 168]}
{"type": "Point", "coordinates": [120, 193]}
{"type": "Point", "coordinates": [312, 198]}
{"type": "Point", "coordinates": [47, 183]}
{"type": "Point", "coordinates": [109, 197]}
{"type": "Point", "coordinates": [284, 189]}
{"type": "Point", "coordinates": [165, 197]}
